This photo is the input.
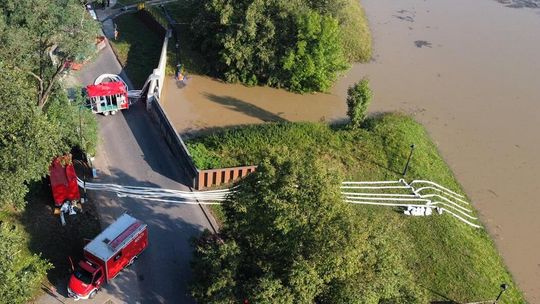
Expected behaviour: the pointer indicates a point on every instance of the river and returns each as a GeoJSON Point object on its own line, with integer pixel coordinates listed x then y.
{"type": "Point", "coordinates": [468, 70]}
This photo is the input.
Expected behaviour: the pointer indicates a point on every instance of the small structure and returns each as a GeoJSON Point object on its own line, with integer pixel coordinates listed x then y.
{"type": "Point", "coordinates": [107, 97]}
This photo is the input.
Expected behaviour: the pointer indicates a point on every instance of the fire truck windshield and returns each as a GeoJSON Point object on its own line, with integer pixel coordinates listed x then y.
{"type": "Point", "coordinates": [83, 275]}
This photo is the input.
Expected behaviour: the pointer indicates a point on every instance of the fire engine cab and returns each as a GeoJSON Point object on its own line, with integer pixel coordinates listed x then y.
{"type": "Point", "coordinates": [106, 255]}
{"type": "Point", "coordinates": [107, 97]}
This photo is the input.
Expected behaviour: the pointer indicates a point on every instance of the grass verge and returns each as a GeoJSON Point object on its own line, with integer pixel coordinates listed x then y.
{"type": "Point", "coordinates": [138, 48]}
{"type": "Point", "coordinates": [452, 261]}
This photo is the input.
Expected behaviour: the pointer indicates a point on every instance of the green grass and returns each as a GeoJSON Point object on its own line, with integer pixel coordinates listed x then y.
{"type": "Point", "coordinates": [449, 259]}
{"type": "Point", "coordinates": [138, 48]}
{"type": "Point", "coordinates": [355, 32]}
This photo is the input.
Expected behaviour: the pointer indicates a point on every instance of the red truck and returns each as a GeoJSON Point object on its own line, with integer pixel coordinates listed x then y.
{"type": "Point", "coordinates": [63, 181]}
{"type": "Point", "coordinates": [106, 255]}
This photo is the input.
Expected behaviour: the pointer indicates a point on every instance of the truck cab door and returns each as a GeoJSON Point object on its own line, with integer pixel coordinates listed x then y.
{"type": "Point", "coordinates": [98, 278]}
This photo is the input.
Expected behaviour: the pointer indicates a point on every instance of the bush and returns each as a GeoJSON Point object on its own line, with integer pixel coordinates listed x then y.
{"type": "Point", "coordinates": [317, 58]}
{"type": "Point", "coordinates": [358, 100]}
{"type": "Point", "coordinates": [21, 273]}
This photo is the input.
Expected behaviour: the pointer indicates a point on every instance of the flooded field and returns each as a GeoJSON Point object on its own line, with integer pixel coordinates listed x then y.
{"type": "Point", "coordinates": [468, 70]}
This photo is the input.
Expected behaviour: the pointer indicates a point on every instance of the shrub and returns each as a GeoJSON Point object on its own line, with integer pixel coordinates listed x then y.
{"type": "Point", "coordinates": [20, 273]}
{"type": "Point", "coordinates": [358, 100]}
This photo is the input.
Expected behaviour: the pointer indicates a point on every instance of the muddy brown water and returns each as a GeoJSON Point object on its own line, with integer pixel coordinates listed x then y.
{"type": "Point", "coordinates": [468, 70]}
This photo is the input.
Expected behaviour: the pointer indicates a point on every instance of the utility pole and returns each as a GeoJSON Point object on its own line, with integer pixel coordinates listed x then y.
{"type": "Point", "coordinates": [408, 160]}
{"type": "Point", "coordinates": [504, 287]}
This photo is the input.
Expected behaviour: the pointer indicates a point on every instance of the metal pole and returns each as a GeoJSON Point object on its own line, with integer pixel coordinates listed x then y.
{"type": "Point", "coordinates": [504, 287]}
{"type": "Point", "coordinates": [408, 160]}
{"type": "Point", "coordinates": [82, 150]}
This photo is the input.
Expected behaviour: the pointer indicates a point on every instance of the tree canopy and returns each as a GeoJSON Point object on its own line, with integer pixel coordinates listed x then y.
{"type": "Point", "coordinates": [37, 120]}
{"type": "Point", "coordinates": [294, 44]}
{"type": "Point", "coordinates": [20, 273]}
{"type": "Point", "coordinates": [289, 237]}
{"type": "Point", "coordinates": [38, 37]}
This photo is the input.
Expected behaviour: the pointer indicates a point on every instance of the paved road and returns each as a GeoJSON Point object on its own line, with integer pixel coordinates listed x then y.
{"type": "Point", "coordinates": [132, 152]}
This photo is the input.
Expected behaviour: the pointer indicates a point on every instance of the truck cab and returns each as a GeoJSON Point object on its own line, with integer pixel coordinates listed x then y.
{"type": "Point", "coordinates": [87, 278]}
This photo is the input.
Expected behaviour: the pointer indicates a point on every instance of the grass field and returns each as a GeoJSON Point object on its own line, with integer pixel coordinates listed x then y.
{"type": "Point", "coordinates": [138, 48]}
{"type": "Point", "coordinates": [452, 261]}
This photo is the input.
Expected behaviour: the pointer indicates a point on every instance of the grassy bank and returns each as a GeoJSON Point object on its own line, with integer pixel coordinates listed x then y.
{"type": "Point", "coordinates": [138, 48]}
{"type": "Point", "coordinates": [355, 32]}
{"type": "Point", "coordinates": [452, 261]}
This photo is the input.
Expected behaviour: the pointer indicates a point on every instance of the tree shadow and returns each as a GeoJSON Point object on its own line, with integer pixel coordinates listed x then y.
{"type": "Point", "coordinates": [247, 108]}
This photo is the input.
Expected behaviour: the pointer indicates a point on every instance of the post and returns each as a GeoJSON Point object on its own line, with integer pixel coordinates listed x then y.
{"type": "Point", "coordinates": [408, 160]}
{"type": "Point", "coordinates": [82, 150]}
{"type": "Point", "coordinates": [504, 287]}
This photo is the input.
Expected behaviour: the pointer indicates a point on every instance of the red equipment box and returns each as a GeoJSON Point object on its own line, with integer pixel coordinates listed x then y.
{"type": "Point", "coordinates": [63, 180]}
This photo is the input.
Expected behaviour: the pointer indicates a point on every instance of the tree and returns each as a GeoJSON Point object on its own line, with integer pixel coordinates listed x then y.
{"type": "Point", "coordinates": [317, 58]}
{"type": "Point", "coordinates": [20, 274]}
{"type": "Point", "coordinates": [289, 237]}
{"type": "Point", "coordinates": [358, 99]}
{"type": "Point", "coordinates": [49, 33]}
{"type": "Point", "coordinates": [280, 43]}
{"type": "Point", "coordinates": [28, 142]}
{"type": "Point", "coordinates": [292, 236]}
{"type": "Point", "coordinates": [77, 125]}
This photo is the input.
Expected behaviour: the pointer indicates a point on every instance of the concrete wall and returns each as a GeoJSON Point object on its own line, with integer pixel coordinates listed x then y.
{"type": "Point", "coordinates": [174, 141]}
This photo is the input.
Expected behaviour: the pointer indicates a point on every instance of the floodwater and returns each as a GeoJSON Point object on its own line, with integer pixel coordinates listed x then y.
{"type": "Point", "coordinates": [468, 70]}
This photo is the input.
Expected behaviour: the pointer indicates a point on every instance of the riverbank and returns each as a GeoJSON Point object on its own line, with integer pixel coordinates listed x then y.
{"type": "Point", "coordinates": [450, 260]}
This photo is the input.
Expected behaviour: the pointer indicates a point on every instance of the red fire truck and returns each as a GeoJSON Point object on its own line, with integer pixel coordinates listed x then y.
{"type": "Point", "coordinates": [107, 97]}
{"type": "Point", "coordinates": [106, 255]}
{"type": "Point", "coordinates": [63, 181]}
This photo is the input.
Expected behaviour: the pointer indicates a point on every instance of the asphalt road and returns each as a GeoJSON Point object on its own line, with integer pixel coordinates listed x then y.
{"type": "Point", "coordinates": [132, 152]}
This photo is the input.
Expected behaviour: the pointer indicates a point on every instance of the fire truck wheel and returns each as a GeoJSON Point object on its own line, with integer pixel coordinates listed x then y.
{"type": "Point", "coordinates": [106, 113]}
{"type": "Point", "coordinates": [113, 112]}
{"type": "Point", "coordinates": [92, 294]}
